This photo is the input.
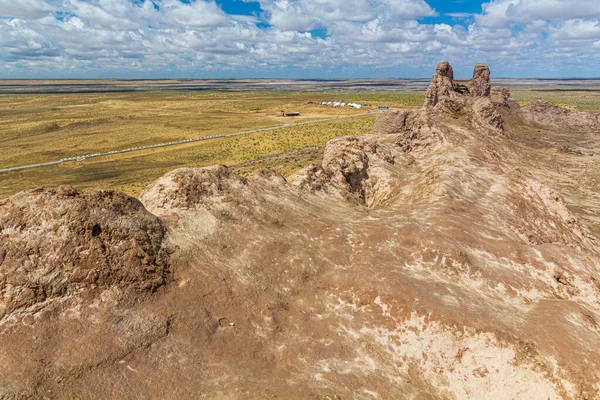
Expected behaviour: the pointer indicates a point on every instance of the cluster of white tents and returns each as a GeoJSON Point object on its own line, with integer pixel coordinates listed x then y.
{"type": "Point", "coordinates": [337, 104]}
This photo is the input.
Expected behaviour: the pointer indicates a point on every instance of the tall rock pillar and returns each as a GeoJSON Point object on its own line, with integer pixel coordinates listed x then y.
{"type": "Point", "coordinates": [442, 84]}
{"type": "Point", "coordinates": [481, 81]}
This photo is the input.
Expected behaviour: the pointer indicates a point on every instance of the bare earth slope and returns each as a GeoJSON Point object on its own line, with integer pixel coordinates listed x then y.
{"type": "Point", "coordinates": [441, 257]}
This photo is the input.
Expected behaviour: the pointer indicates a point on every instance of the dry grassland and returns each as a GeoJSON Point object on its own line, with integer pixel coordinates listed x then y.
{"type": "Point", "coordinates": [37, 128]}
{"type": "Point", "coordinates": [582, 98]}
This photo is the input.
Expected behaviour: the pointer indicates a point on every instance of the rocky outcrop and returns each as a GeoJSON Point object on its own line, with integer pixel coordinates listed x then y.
{"type": "Point", "coordinates": [548, 114]}
{"type": "Point", "coordinates": [431, 259]}
{"type": "Point", "coordinates": [59, 242]}
{"type": "Point", "coordinates": [501, 97]}
{"type": "Point", "coordinates": [357, 165]}
{"type": "Point", "coordinates": [442, 85]}
{"type": "Point", "coordinates": [186, 189]}
{"type": "Point", "coordinates": [348, 163]}
{"type": "Point", "coordinates": [312, 178]}
{"type": "Point", "coordinates": [395, 121]}
{"type": "Point", "coordinates": [480, 84]}
{"type": "Point", "coordinates": [469, 98]}
{"type": "Point", "coordinates": [486, 115]}
{"type": "Point", "coordinates": [353, 168]}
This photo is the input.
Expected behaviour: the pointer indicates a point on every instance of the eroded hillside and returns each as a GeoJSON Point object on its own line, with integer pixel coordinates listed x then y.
{"type": "Point", "coordinates": [451, 254]}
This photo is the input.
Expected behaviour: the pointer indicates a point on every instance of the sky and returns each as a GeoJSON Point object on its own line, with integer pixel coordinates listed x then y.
{"type": "Point", "coordinates": [297, 38]}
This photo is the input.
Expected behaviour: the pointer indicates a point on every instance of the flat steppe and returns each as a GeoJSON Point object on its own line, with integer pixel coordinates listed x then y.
{"type": "Point", "coordinates": [49, 120]}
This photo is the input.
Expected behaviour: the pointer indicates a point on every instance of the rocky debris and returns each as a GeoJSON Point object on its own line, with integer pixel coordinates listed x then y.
{"type": "Point", "coordinates": [480, 83]}
{"type": "Point", "coordinates": [58, 242]}
{"type": "Point", "coordinates": [269, 177]}
{"type": "Point", "coordinates": [548, 114]}
{"type": "Point", "coordinates": [395, 121]}
{"type": "Point", "coordinates": [442, 85]}
{"type": "Point", "coordinates": [570, 150]}
{"type": "Point", "coordinates": [353, 168]}
{"type": "Point", "coordinates": [540, 215]}
{"type": "Point", "coordinates": [312, 178]}
{"type": "Point", "coordinates": [486, 115]}
{"type": "Point", "coordinates": [185, 189]}
{"type": "Point", "coordinates": [502, 98]}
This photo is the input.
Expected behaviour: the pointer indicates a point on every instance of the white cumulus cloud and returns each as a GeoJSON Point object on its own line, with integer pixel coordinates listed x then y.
{"type": "Point", "coordinates": [25, 9]}
{"type": "Point", "coordinates": [500, 13]}
{"type": "Point", "coordinates": [362, 37]}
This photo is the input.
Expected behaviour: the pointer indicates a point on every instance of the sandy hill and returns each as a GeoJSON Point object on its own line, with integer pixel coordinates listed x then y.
{"type": "Point", "coordinates": [452, 254]}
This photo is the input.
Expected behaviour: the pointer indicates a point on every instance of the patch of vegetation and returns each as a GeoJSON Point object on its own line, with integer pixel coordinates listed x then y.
{"type": "Point", "coordinates": [38, 128]}
{"type": "Point", "coordinates": [131, 172]}
{"type": "Point", "coordinates": [587, 99]}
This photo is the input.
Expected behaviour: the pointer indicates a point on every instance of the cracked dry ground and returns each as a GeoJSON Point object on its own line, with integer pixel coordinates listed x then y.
{"type": "Point", "coordinates": [444, 256]}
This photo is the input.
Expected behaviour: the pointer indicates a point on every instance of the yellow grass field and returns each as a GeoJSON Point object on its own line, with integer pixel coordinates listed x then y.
{"type": "Point", "coordinates": [583, 98]}
{"type": "Point", "coordinates": [37, 128]}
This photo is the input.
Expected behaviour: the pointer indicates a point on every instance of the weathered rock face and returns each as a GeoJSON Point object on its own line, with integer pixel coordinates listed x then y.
{"type": "Point", "coordinates": [486, 115]}
{"type": "Point", "coordinates": [470, 98]}
{"type": "Point", "coordinates": [501, 97]}
{"type": "Point", "coordinates": [442, 85]}
{"type": "Point", "coordinates": [358, 165]}
{"type": "Point", "coordinates": [312, 178]}
{"type": "Point", "coordinates": [185, 189]}
{"type": "Point", "coordinates": [481, 86]}
{"type": "Point", "coordinates": [59, 242]}
{"type": "Point", "coordinates": [545, 113]}
{"type": "Point", "coordinates": [432, 259]}
{"type": "Point", "coordinates": [394, 121]}
{"type": "Point", "coordinates": [443, 88]}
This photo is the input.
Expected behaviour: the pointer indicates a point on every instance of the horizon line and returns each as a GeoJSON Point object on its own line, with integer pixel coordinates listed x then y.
{"type": "Point", "coordinates": [282, 79]}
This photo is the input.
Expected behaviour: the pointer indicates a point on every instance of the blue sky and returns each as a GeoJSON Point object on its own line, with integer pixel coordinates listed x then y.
{"type": "Point", "coordinates": [296, 38]}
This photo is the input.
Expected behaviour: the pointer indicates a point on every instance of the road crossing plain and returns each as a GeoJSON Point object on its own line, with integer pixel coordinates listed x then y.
{"type": "Point", "coordinates": [124, 140]}
{"type": "Point", "coordinates": [123, 134]}
{"type": "Point", "coordinates": [174, 143]}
